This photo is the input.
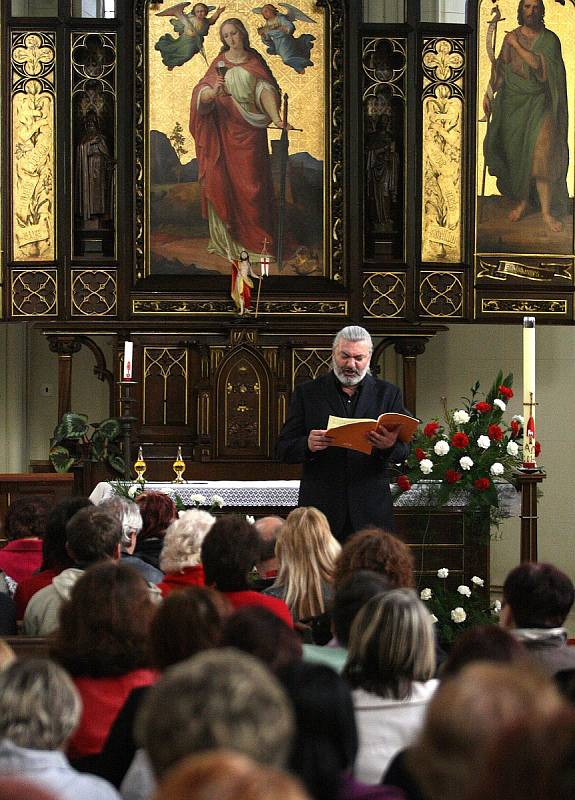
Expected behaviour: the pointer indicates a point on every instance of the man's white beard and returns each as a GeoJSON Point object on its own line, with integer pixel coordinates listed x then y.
{"type": "Point", "coordinates": [348, 379]}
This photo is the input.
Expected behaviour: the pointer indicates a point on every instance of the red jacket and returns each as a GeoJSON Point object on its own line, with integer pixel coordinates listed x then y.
{"type": "Point", "coordinates": [249, 598]}
{"type": "Point", "coordinates": [189, 576]}
{"type": "Point", "coordinates": [29, 586]}
{"type": "Point", "coordinates": [21, 557]}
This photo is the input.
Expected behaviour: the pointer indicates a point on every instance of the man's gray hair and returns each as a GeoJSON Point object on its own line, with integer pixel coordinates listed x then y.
{"type": "Point", "coordinates": [353, 333]}
{"type": "Point", "coordinates": [39, 705]}
{"type": "Point", "coordinates": [216, 699]}
{"type": "Point", "coordinates": [128, 513]}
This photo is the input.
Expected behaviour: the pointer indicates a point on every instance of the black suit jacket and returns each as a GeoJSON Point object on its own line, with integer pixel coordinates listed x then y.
{"type": "Point", "coordinates": [337, 480]}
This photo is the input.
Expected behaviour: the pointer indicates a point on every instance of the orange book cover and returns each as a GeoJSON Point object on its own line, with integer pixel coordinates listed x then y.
{"type": "Point", "coordinates": [352, 433]}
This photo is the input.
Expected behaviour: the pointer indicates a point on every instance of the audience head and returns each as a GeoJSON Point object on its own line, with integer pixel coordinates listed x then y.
{"type": "Point", "coordinates": [306, 552]}
{"type": "Point", "coordinates": [530, 759]}
{"type": "Point", "coordinates": [93, 535]}
{"type": "Point", "coordinates": [39, 705]}
{"type": "Point", "coordinates": [229, 551]}
{"type": "Point", "coordinates": [54, 551]}
{"type": "Point", "coordinates": [226, 775]}
{"type": "Point", "coordinates": [482, 643]}
{"type": "Point", "coordinates": [183, 540]}
{"type": "Point", "coordinates": [217, 699]}
{"type": "Point", "coordinates": [104, 626]}
{"type": "Point", "coordinates": [268, 529]}
{"type": "Point", "coordinates": [378, 551]}
{"type": "Point", "coordinates": [326, 742]}
{"type": "Point", "coordinates": [465, 714]}
{"type": "Point", "coordinates": [536, 595]}
{"type": "Point", "coordinates": [7, 655]}
{"type": "Point", "coordinates": [261, 633]}
{"type": "Point", "coordinates": [391, 644]}
{"type": "Point", "coordinates": [26, 518]}
{"type": "Point", "coordinates": [128, 513]}
{"type": "Point", "coordinates": [158, 512]}
{"type": "Point", "coordinates": [185, 623]}
{"type": "Point", "coordinates": [352, 595]}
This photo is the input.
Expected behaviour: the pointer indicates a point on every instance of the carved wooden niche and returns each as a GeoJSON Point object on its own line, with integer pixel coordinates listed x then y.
{"type": "Point", "coordinates": [242, 407]}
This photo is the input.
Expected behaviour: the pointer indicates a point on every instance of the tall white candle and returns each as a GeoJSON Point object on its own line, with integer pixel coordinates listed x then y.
{"type": "Point", "coordinates": [128, 355]}
{"type": "Point", "coordinates": [528, 382]}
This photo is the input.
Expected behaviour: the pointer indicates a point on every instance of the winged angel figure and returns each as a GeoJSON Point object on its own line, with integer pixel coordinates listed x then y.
{"type": "Point", "coordinates": [191, 28]}
{"type": "Point", "coordinates": [278, 35]}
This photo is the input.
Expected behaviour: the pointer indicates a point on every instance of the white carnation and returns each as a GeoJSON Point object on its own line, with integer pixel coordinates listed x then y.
{"type": "Point", "coordinates": [133, 491]}
{"type": "Point", "coordinates": [458, 615]}
{"type": "Point", "coordinates": [198, 499]}
{"type": "Point", "coordinates": [426, 466]}
{"type": "Point", "coordinates": [460, 417]}
{"type": "Point", "coordinates": [464, 590]}
{"type": "Point", "coordinates": [443, 572]}
{"type": "Point", "coordinates": [518, 418]}
{"type": "Point", "coordinates": [426, 594]}
{"type": "Point", "coordinates": [497, 469]}
{"type": "Point", "coordinates": [441, 448]}
{"type": "Point", "coordinates": [433, 618]}
{"type": "Point", "coordinates": [512, 448]}
{"type": "Point", "coordinates": [497, 607]}
{"type": "Point", "coordinates": [477, 581]}
{"type": "Point", "coordinates": [499, 403]}
{"type": "Point", "coordinates": [217, 501]}
{"type": "Point", "coordinates": [466, 462]}
{"type": "Point", "coordinates": [250, 519]}
{"type": "Point", "coordinates": [483, 442]}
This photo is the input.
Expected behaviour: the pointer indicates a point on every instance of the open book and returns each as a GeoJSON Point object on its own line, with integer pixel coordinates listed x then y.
{"type": "Point", "coordinates": [352, 433]}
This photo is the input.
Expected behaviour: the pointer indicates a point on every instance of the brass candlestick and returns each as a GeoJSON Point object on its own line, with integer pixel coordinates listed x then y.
{"type": "Point", "coordinates": [140, 467]}
{"type": "Point", "coordinates": [179, 467]}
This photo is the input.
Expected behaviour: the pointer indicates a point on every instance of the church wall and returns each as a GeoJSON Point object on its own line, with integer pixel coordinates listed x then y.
{"type": "Point", "coordinates": [13, 394]}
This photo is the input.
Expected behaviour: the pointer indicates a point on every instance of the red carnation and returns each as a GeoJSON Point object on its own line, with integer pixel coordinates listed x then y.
{"type": "Point", "coordinates": [404, 483]}
{"type": "Point", "coordinates": [420, 454]}
{"type": "Point", "coordinates": [495, 432]}
{"type": "Point", "coordinates": [506, 392]}
{"type": "Point", "coordinates": [537, 449]}
{"type": "Point", "coordinates": [451, 476]}
{"type": "Point", "coordinates": [460, 440]}
{"type": "Point", "coordinates": [481, 484]}
{"type": "Point", "coordinates": [515, 428]}
{"type": "Point", "coordinates": [483, 407]}
{"type": "Point", "coordinates": [431, 429]}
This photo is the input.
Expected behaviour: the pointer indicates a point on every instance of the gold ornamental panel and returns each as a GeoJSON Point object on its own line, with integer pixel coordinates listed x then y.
{"type": "Point", "coordinates": [309, 363]}
{"type": "Point", "coordinates": [384, 294]}
{"type": "Point", "coordinates": [443, 63]}
{"type": "Point", "coordinates": [517, 306]}
{"type": "Point", "coordinates": [441, 294]}
{"type": "Point", "coordinates": [94, 293]}
{"type": "Point", "coordinates": [33, 149]}
{"type": "Point", "coordinates": [153, 307]}
{"type": "Point", "coordinates": [165, 386]}
{"type": "Point", "coordinates": [34, 293]}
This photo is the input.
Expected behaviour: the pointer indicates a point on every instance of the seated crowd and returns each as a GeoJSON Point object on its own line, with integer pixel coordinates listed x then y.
{"type": "Point", "coordinates": [189, 656]}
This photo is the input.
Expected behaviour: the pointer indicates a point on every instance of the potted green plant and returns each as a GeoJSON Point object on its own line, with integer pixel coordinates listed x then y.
{"type": "Point", "coordinates": [76, 440]}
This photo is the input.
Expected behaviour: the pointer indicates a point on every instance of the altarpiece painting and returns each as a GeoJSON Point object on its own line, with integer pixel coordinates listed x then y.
{"type": "Point", "coordinates": [236, 145]}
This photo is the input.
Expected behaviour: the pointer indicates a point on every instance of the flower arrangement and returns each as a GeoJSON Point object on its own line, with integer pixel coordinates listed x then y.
{"type": "Point", "coordinates": [456, 610]}
{"type": "Point", "coordinates": [470, 451]}
{"type": "Point", "coordinates": [132, 490]}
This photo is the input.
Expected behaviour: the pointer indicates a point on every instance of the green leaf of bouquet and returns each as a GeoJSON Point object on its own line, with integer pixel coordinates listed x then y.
{"type": "Point", "coordinates": [61, 459]}
{"type": "Point", "coordinates": [71, 426]}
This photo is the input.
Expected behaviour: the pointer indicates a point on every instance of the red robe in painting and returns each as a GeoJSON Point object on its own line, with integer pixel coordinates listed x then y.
{"type": "Point", "coordinates": [234, 163]}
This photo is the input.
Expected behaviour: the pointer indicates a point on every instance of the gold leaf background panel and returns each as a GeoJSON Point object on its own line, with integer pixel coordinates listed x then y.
{"type": "Point", "coordinates": [495, 232]}
{"type": "Point", "coordinates": [443, 69]}
{"type": "Point", "coordinates": [33, 145]}
{"type": "Point", "coordinates": [178, 238]}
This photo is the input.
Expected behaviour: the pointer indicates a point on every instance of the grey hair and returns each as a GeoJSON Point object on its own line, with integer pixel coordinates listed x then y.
{"type": "Point", "coordinates": [39, 705]}
{"type": "Point", "coordinates": [128, 513]}
{"type": "Point", "coordinates": [217, 699]}
{"type": "Point", "coordinates": [391, 644]}
{"type": "Point", "coordinates": [353, 333]}
{"type": "Point", "coordinates": [183, 540]}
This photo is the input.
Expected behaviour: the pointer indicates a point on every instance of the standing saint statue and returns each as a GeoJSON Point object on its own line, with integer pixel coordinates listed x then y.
{"type": "Point", "coordinates": [94, 177]}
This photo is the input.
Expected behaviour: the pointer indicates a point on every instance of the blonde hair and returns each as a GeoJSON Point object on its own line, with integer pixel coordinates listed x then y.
{"type": "Point", "coordinates": [7, 655]}
{"type": "Point", "coordinates": [391, 644]}
{"type": "Point", "coordinates": [306, 552]}
{"type": "Point", "coordinates": [183, 540]}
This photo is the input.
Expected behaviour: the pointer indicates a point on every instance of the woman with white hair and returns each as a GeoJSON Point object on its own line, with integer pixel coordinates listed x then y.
{"type": "Point", "coordinates": [180, 559]}
{"type": "Point", "coordinates": [39, 710]}
{"type": "Point", "coordinates": [390, 667]}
